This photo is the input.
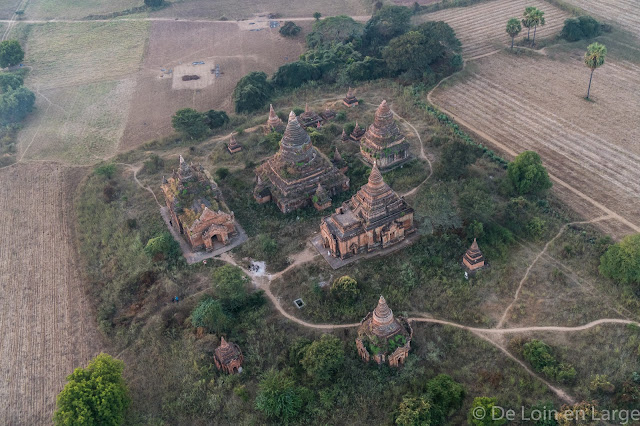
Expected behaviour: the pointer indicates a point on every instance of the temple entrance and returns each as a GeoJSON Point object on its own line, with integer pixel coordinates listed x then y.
{"type": "Point", "coordinates": [215, 239]}
{"type": "Point", "coordinates": [181, 228]}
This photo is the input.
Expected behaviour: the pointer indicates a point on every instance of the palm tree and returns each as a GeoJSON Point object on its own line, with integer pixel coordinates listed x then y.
{"type": "Point", "coordinates": [537, 18]}
{"type": "Point", "coordinates": [513, 29]}
{"type": "Point", "coordinates": [593, 59]}
{"type": "Point", "coordinates": [526, 21]}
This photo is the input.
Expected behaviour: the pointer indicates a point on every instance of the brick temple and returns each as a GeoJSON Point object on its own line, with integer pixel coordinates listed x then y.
{"type": "Point", "coordinates": [383, 337]}
{"type": "Point", "coordinates": [228, 357]}
{"type": "Point", "coordinates": [290, 178]}
{"type": "Point", "coordinates": [350, 100]}
{"type": "Point", "coordinates": [233, 145]}
{"type": "Point", "coordinates": [310, 118]}
{"type": "Point", "coordinates": [375, 218]}
{"type": "Point", "coordinates": [196, 208]}
{"type": "Point", "coordinates": [383, 142]}
{"type": "Point", "coordinates": [473, 260]}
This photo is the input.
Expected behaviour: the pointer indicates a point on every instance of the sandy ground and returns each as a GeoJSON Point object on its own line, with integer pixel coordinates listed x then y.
{"type": "Point", "coordinates": [481, 28]}
{"type": "Point", "coordinates": [48, 328]}
{"type": "Point", "coordinates": [175, 46]}
{"type": "Point", "coordinates": [538, 104]}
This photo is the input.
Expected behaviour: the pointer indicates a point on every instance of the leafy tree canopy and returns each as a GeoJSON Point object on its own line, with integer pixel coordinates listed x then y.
{"type": "Point", "coordinates": [414, 411]}
{"type": "Point", "coordinates": [15, 104]}
{"type": "Point", "coordinates": [190, 123]}
{"type": "Point", "coordinates": [621, 261]}
{"type": "Point", "coordinates": [336, 29]}
{"type": "Point", "coordinates": [583, 27]}
{"type": "Point", "coordinates": [323, 358]}
{"type": "Point", "coordinates": [96, 395]}
{"type": "Point", "coordinates": [163, 246]}
{"type": "Point", "coordinates": [252, 92]}
{"type": "Point", "coordinates": [215, 119]}
{"type": "Point", "coordinates": [480, 413]}
{"type": "Point", "coordinates": [527, 174]}
{"type": "Point", "coordinates": [231, 286]}
{"type": "Point", "coordinates": [154, 3]}
{"type": "Point", "coordinates": [290, 29]}
{"type": "Point", "coordinates": [385, 24]}
{"type": "Point", "coordinates": [11, 53]}
{"type": "Point", "coordinates": [279, 398]}
{"type": "Point", "coordinates": [210, 315]}
{"type": "Point", "coordinates": [346, 288]}
{"type": "Point", "coordinates": [446, 396]}
{"type": "Point", "coordinates": [10, 81]}
{"type": "Point", "coordinates": [295, 74]}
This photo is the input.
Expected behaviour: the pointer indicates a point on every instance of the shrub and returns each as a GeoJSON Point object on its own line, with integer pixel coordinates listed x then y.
{"type": "Point", "coordinates": [210, 315]}
{"type": "Point", "coordinates": [252, 92]}
{"type": "Point", "coordinates": [541, 358]}
{"type": "Point", "coordinates": [11, 53]}
{"type": "Point", "coordinates": [290, 29]}
{"type": "Point", "coordinates": [96, 395]}
{"type": "Point", "coordinates": [481, 412]}
{"type": "Point", "coordinates": [106, 170]}
{"type": "Point", "coordinates": [154, 164]}
{"type": "Point", "coordinates": [345, 288]}
{"type": "Point", "coordinates": [621, 261]}
{"type": "Point", "coordinates": [215, 119]}
{"type": "Point", "coordinates": [190, 123]}
{"type": "Point", "coordinates": [222, 173]}
{"type": "Point", "coordinates": [583, 27]}
{"type": "Point", "coordinates": [528, 175]}
{"type": "Point", "coordinates": [153, 3]}
{"type": "Point", "coordinates": [323, 358]}
{"type": "Point", "coordinates": [163, 247]}
{"type": "Point", "coordinates": [278, 397]}
{"type": "Point", "coordinates": [231, 286]}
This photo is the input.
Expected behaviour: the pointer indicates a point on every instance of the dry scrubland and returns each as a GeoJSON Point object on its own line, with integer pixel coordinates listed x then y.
{"type": "Point", "coordinates": [625, 13]}
{"type": "Point", "coordinates": [237, 50]}
{"type": "Point", "coordinates": [538, 104]}
{"type": "Point", "coordinates": [74, 9]}
{"type": "Point", "coordinates": [233, 9]}
{"type": "Point", "coordinates": [8, 7]}
{"type": "Point", "coordinates": [480, 28]}
{"type": "Point", "coordinates": [48, 328]}
{"type": "Point", "coordinates": [84, 76]}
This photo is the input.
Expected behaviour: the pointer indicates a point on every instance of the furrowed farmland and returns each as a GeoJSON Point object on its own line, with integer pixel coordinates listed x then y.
{"type": "Point", "coordinates": [481, 28]}
{"type": "Point", "coordinates": [538, 104]}
{"type": "Point", "coordinates": [47, 321]}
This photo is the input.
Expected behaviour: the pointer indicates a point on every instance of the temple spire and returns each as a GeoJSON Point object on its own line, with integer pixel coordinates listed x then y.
{"type": "Point", "coordinates": [375, 178]}
{"type": "Point", "coordinates": [223, 342]}
{"type": "Point", "coordinates": [272, 112]}
{"type": "Point", "coordinates": [382, 315]}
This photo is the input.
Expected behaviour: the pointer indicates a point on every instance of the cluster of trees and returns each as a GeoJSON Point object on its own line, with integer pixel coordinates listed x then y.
{"type": "Point", "coordinates": [96, 395]}
{"type": "Point", "coordinates": [343, 50]}
{"type": "Point", "coordinates": [532, 18]}
{"type": "Point", "coordinates": [195, 125]}
{"type": "Point", "coordinates": [290, 29]}
{"type": "Point", "coordinates": [621, 261]}
{"type": "Point", "coordinates": [441, 397]}
{"type": "Point", "coordinates": [542, 359]}
{"type": "Point", "coordinates": [579, 28]}
{"type": "Point", "coordinates": [11, 53]}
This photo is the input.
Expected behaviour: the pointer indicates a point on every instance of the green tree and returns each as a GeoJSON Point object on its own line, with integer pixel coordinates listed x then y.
{"type": "Point", "coordinates": [15, 104]}
{"type": "Point", "coordinates": [163, 247]}
{"type": "Point", "coordinates": [575, 29]}
{"type": "Point", "coordinates": [414, 411]}
{"type": "Point", "coordinates": [455, 158]}
{"type": "Point", "coordinates": [526, 20]}
{"type": "Point", "coordinates": [215, 119]}
{"type": "Point", "coordinates": [482, 412]}
{"type": "Point", "coordinates": [345, 288]}
{"type": "Point", "coordinates": [621, 261]}
{"type": "Point", "coordinates": [446, 396]}
{"type": "Point", "coordinates": [230, 284]}
{"type": "Point", "coordinates": [10, 81]}
{"type": "Point", "coordinates": [527, 174]}
{"type": "Point", "coordinates": [11, 53]}
{"type": "Point", "coordinates": [295, 74]}
{"type": "Point", "coordinates": [252, 92]}
{"type": "Point", "coordinates": [153, 3]}
{"type": "Point", "coordinates": [278, 397]}
{"type": "Point", "coordinates": [106, 170]}
{"type": "Point", "coordinates": [96, 395]}
{"type": "Point", "coordinates": [536, 18]}
{"type": "Point", "coordinates": [385, 24]}
{"type": "Point", "coordinates": [323, 358]}
{"type": "Point", "coordinates": [210, 315]}
{"type": "Point", "coordinates": [513, 29]}
{"type": "Point", "coordinates": [317, 15]}
{"type": "Point", "coordinates": [289, 29]}
{"type": "Point", "coordinates": [336, 29]}
{"type": "Point", "coordinates": [594, 58]}
{"type": "Point", "coordinates": [190, 123]}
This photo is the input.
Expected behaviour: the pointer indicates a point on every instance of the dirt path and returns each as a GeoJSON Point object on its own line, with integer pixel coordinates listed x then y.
{"type": "Point", "coordinates": [535, 260]}
{"type": "Point", "coordinates": [75, 21]}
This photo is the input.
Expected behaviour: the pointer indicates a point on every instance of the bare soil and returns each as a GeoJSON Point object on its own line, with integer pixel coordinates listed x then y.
{"type": "Point", "coordinates": [48, 328]}
{"type": "Point", "coordinates": [538, 104]}
{"type": "Point", "coordinates": [175, 46]}
{"type": "Point", "coordinates": [481, 28]}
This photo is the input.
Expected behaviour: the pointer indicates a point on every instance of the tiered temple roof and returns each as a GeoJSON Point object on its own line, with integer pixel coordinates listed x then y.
{"type": "Point", "coordinates": [309, 118]}
{"type": "Point", "coordinates": [290, 178]}
{"type": "Point", "coordinates": [384, 337]}
{"type": "Point", "coordinates": [321, 199]}
{"type": "Point", "coordinates": [233, 145]}
{"type": "Point", "coordinates": [228, 357]}
{"type": "Point", "coordinates": [350, 100]}
{"type": "Point", "coordinates": [473, 258]}
{"type": "Point", "coordinates": [383, 142]}
{"type": "Point", "coordinates": [375, 217]}
{"type": "Point", "coordinates": [357, 133]}
{"type": "Point", "coordinates": [273, 122]}
{"type": "Point", "coordinates": [328, 114]}
{"type": "Point", "coordinates": [339, 162]}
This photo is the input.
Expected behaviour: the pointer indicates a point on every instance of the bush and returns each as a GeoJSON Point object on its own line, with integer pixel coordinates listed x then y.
{"type": "Point", "coordinates": [323, 358]}
{"type": "Point", "coordinates": [541, 358]}
{"type": "Point", "coordinates": [163, 247]}
{"type": "Point", "coordinates": [190, 123]}
{"type": "Point", "coordinates": [528, 175]}
{"type": "Point", "coordinates": [222, 173]}
{"type": "Point", "coordinates": [154, 164]}
{"type": "Point", "coordinates": [215, 119]}
{"type": "Point", "coordinates": [279, 398]}
{"type": "Point", "coordinates": [231, 286]}
{"type": "Point", "coordinates": [15, 104]}
{"type": "Point", "coordinates": [583, 27]}
{"type": "Point", "coordinates": [96, 395]}
{"type": "Point", "coordinates": [210, 315]}
{"type": "Point", "coordinates": [11, 53]}
{"type": "Point", "coordinates": [154, 3]}
{"type": "Point", "coordinates": [295, 74]}
{"type": "Point", "coordinates": [289, 29]}
{"type": "Point", "coordinates": [345, 288]}
{"type": "Point", "coordinates": [481, 412]}
{"type": "Point", "coordinates": [621, 261]}
{"type": "Point", "coordinates": [252, 92]}
{"type": "Point", "coordinates": [106, 170]}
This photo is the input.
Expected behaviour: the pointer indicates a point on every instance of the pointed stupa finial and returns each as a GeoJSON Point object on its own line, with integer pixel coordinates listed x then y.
{"type": "Point", "coordinates": [292, 116]}
{"type": "Point", "coordinates": [181, 159]}
{"type": "Point", "coordinates": [223, 342]}
{"type": "Point", "coordinates": [272, 112]}
{"type": "Point", "coordinates": [474, 245]}
{"type": "Point", "coordinates": [375, 178]}
{"type": "Point", "coordinates": [336, 155]}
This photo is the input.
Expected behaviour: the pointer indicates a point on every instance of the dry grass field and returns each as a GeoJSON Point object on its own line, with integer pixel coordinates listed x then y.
{"type": "Point", "coordinates": [538, 103]}
{"type": "Point", "coordinates": [48, 328]}
{"type": "Point", "coordinates": [625, 13]}
{"type": "Point", "coordinates": [84, 76]}
{"type": "Point", "coordinates": [8, 7]}
{"type": "Point", "coordinates": [481, 28]}
{"type": "Point", "coordinates": [73, 9]}
{"type": "Point", "coordinates": [175, 46]}
{"type": "Point", "coordinates": [232, 9]}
